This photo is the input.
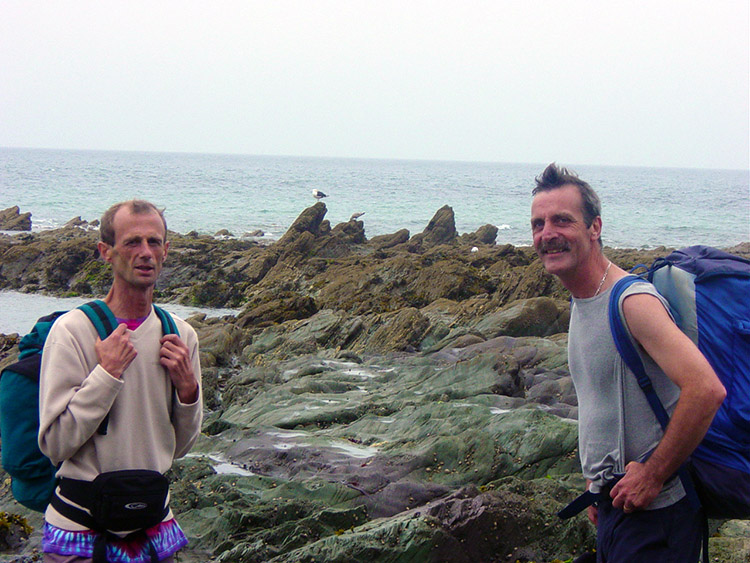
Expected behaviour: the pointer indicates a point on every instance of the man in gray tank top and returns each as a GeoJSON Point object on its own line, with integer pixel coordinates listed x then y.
{"type": "Point", "coordinates": [643, 516]}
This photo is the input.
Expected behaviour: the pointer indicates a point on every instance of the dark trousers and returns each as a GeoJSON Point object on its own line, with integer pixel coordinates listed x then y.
{"type": "Point", "coordinates": [671, 534]}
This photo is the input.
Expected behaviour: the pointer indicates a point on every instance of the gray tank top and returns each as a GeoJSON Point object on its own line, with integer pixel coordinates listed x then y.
{"type": "Point", "coordinates": [615, 422]}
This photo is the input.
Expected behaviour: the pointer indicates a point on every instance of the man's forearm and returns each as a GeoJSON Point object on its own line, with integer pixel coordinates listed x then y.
{"type": "Point", "coordinates": [689, 423]}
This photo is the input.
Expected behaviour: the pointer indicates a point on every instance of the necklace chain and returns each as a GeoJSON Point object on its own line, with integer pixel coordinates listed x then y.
{"type": "Point", "coordinates": [604, 277]}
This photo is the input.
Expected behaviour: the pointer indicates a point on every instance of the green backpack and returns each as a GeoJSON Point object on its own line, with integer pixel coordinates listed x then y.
{"type": "Point", "coordinates": [32, 473]}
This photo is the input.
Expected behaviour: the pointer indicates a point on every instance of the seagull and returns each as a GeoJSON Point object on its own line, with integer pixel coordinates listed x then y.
{"type": "Point", "coordinates": [356, 215]}
{"type": "Point", "coordinates": [317, 194]}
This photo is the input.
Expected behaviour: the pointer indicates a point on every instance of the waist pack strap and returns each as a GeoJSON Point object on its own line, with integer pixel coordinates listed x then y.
{"type": "Point", "coordinates": [73, 513]}
{"type": "Point", "coordinates": [76, 490]}
{"type": "Point", "coordinates": [581, 503]}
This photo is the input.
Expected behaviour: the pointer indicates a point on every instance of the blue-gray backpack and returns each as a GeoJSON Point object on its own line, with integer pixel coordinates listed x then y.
{"type": "Point", "coordinates": [32, 473]}
{"type": "Point", "coordinates": [708, 291]}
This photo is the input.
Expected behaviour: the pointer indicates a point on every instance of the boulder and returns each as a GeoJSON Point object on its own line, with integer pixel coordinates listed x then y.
{"type": "Point", "coordinates": [255, 233]}
{"type": "Point", "coordinates": [537, 316]}
{"type": "Point", "coordinates": [486, 234]}
{"type": "Point", "coordinates": [8, 349]}
{"type": "Point", "coordinates": [388, 241]}
{"type": "Point", "coordinates": [77, 222]}
{"type": "Point", "coordinates": [277, 310]}
{"type": "Point", "coordinates": [309, 221]}
{"type": "Point", "coordinates": [440, 230]}
{"type": "Point", "coordinates": [220, 342]}
{"type": "Point", "coordinates": [11, 219]}
{"type": "Point", "coordinates": [399, 331]}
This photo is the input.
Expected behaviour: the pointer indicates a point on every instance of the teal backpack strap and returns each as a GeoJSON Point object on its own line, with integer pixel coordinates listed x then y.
{"type": "Point", "coordinates": [101, 317]}
{"type": "Point", "coordinates": [105, 323]}
{"type": "Point", "coordinates": [168, 325]}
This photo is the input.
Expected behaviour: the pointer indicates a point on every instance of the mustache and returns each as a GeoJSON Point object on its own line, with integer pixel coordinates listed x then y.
{"type": "Point", "coordinates": [554, 246]}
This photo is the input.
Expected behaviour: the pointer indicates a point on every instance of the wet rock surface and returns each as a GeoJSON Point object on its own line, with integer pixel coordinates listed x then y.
{"type": "Point", "coordinates": [404, 398]}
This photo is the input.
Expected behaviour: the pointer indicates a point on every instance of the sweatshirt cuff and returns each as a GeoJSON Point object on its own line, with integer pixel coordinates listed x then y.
{"type": "Point", "coordinates": [100, 374]}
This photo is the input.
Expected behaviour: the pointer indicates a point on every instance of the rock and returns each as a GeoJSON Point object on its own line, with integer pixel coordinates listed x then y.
{"type": "Point", "coordinates": [388, 241]}
{"type": "Point", "coordinates": [14, 531]}
{"type": "Point", "coordinates": [223, 233]}
{"type": "Point", "coordinates": [467, 526]}
{"type": "Point", "coordinates": [399, 331]}
{"type": "Point", "coordinates": [51, 261]}
{"type": "Point", "coordinates": [219, 341]}
{"type": "Point", "coordinates": [11, 219]}
{"type": "Point", "coordinates": [77, 222]}
{"type": "Point", "coordinates": [538, 316]}
{"type": "Point", "coordinates": [309, 221]}
{"type": "Point", "coordinates": [486, 234]}
{"type": "Point", "coordinates": [278, 310]}
{"type": "Point", "coordinates": [731, 542]}
{"type": "Point", "coordinates": [8, 349]}
{"type": "Point", "coordinates": [440, 230]}
{"type": "Point", "coordinates": [339, 241]}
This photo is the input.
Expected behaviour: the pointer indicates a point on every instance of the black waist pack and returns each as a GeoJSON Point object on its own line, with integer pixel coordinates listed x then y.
{"type": "Point", "coordinates": [119, 501]}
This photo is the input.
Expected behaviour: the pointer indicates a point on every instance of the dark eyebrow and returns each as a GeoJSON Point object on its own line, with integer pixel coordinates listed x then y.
{"type": "Point", "coordinates": [137, 238]}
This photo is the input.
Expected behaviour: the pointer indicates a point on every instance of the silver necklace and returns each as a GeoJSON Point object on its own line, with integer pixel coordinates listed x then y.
{"type": "Point", "coordinates": [604, 277]}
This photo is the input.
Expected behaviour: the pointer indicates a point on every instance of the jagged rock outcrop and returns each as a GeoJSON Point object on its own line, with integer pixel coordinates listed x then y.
{"type": "Point", "coordinates": [11, 219]}
{"type": "Point", "coordinates": [389, 241]}
{"type": "Point", "coordinates": [440, 230]}
{"type": "Point", "coordinates": [77, 222]}
{"type": "Point", "coordinates": [486, 234]}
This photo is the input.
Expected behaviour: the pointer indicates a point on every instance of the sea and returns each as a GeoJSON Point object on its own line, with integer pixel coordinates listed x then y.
{"type": "Point", "coordinates": [642, 207]}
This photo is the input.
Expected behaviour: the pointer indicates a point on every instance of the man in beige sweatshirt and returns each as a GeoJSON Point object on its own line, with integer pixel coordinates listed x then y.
{"type": "Point", "coordinates": [146, 384]}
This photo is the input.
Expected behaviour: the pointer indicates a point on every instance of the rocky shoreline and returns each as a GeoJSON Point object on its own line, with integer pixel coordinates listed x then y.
{"type": "Point", "coordinates": [402, 398]}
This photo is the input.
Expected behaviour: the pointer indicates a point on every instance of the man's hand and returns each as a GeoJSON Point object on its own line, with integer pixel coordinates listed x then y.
{"type": "Point", "coordinates": [175, 358]}
{"type": "Point", "coordinates": [637, 489]}
{"type": "Point", "coordinates": [115, 352]}
{"type": "Point", "coordinates": [593, 513]}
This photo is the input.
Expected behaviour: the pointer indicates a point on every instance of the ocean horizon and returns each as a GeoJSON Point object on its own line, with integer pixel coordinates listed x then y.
{"type": "Point", "coordinates": [642, 207]}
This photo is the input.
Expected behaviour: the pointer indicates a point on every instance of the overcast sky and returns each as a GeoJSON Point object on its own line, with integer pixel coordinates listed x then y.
{"type": "Point", "coordinates": [652, 83]}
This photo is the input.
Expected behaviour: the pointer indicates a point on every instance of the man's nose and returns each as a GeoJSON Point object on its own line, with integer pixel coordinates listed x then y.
{"type": "Point", "coordinates": [548, 231]}
{"type": "Point", "coordinates": [144, 249]}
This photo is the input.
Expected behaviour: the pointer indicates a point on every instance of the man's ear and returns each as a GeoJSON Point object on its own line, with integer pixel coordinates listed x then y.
{"type": "Point", "coordinates": [166, 248]}
{"type": "Point", "coordinates": [104, 250]}
{"type": "Point", "coordinates": [596, 228]}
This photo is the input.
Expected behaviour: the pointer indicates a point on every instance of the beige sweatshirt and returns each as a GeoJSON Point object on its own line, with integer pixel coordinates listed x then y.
{"type": "Point", "coordinates": [148, 426]}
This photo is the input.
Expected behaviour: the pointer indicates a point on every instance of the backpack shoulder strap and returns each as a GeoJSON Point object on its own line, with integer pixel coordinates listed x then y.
{"type": "Point", "coordinates": [101, 317]}
{"type": "Point", "coordinates": [105, 323]}
{"type": "Point", "coordinates": [627, 350]}
{"type": "Point", "coordinates": [168, 325]}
